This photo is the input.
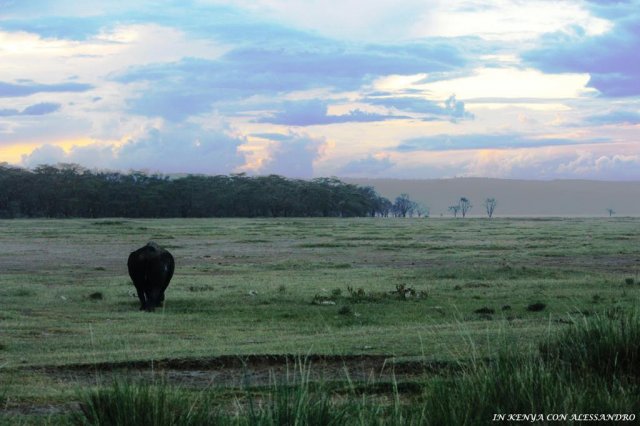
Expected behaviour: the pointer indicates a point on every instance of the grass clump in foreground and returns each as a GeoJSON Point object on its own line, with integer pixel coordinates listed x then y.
{"type": "Point", "coordinates": [591, 367]}
{"type": "Point", "coordinates": [143, 404]}
{"type": "Point", "coordinates": [600, 345]}
{"type": "Point", "coordinates": [292, 400]}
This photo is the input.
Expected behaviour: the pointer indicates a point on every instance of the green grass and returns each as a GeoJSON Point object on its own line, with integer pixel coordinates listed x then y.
{"type": "Point", "coordinates": [533, 384]}
{"type": "Point", "coordinates": [251, 286]}
{"type": "Point", "coordinates": [591, 367]}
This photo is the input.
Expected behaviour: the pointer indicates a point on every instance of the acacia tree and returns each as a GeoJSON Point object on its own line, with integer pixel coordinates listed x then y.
{"type": "Point", "coordinates": [404, 206]}
{"type": "Point", "coordinates": [611, 212]}
{"type": "Point", "coordinates": [454, 209]}
{"type": "Point", "coordinates": [422, 211]}
{"type": "Point", "coordinates": [490, 206]}
{"type": "Point", "coordinates": [465, 206]}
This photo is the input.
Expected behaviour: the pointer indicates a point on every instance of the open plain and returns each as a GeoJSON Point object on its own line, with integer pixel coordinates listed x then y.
{"type": "Point", "coordinates": [374, 299]}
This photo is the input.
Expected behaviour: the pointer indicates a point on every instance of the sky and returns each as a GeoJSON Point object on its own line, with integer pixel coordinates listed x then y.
{"type": "Point", "coordinates": [417, 89]}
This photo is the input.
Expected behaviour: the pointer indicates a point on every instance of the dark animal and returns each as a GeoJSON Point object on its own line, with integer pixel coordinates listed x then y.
{"type": "Point", "coordinates": [151, 268]}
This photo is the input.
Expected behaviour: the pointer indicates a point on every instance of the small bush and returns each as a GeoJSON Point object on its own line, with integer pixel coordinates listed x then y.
{"type": "Point", "coordinates": [629, 281]}
{"type": "Point", "coordinates": [109, 222]}
{"type": "Point", "coordinates": [536, 307]}
{"type": "Point", "coordinates": [96, 296]}
{"type": "Point", "coordinates": [485, 310]}
{"type": "Point", "coordinates": [404, 292]}
{"type": "Point", "coordinates": [201, 288]}
{"type": "Point", "coordinates": [357, 294]}
{"type": "Point", "coordinates": [319, 299]}
{"type": "Point", "coordinates": [336, 292]}
{"type": "Point", "coordinates": [346, 310]}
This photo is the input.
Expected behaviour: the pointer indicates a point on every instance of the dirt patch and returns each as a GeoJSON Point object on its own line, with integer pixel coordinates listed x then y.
{"type": "Point", "coordinates": [243, 371]}
{"type": "Point", "coordinates": [622, 263]}
{"type": "Point", "coordinates": [239, 372]}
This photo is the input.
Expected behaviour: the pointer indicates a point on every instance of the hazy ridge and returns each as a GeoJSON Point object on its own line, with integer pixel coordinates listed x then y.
{"type": "Point", "coordinates": [516, 197]}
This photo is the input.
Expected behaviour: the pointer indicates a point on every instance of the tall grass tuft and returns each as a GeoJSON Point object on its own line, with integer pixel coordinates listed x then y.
{"type": "Point", "coordinates": [521, 384]}
{"type": "Point", "coordinates": [598, 345]}
{"type": "Point", "coordinates": [586, 367]}
{"type": "Point", "coordinates": [291, 401]}
{"type": "Point", "coordinates": [126, 403]}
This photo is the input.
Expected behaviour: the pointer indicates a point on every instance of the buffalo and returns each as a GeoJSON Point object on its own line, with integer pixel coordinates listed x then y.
{"type": "Point", "coordinates": [151, 268]}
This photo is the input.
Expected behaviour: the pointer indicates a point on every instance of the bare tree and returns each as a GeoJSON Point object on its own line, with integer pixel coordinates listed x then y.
{"type": "Point", "coordinates": [490, 206]}
{"type": "Point", "coordinates": [454, 210]}
{"type": "Point", "coordinates": [465, 206]}
{"type": "Point", "coordinates": [611, 212]}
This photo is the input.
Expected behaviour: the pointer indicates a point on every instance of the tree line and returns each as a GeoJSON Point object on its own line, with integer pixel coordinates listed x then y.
{"type": "Point", "coordinates": [68, 190]}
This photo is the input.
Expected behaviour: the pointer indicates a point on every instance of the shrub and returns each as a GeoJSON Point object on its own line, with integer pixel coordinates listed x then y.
{"type": "Point", "coordinates": [345, 310]}
{"type": "Point", "coordinates": [96, 296]}
{"type": "Point", "coordinates": [356, 294]}
{"type": "Point", "coordinates": [536, 307]}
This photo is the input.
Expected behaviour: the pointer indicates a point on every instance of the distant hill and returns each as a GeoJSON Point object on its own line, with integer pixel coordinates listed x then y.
{"type": "Point", "coordinates": [516, 197]}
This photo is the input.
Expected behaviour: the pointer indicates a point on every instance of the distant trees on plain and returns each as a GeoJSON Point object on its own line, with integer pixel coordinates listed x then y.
{"type": "Point", "coordinates": [68, 190]}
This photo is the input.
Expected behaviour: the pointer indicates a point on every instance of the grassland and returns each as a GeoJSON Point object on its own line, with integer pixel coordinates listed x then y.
{"type": "Point", "coordinates": [355, 293]}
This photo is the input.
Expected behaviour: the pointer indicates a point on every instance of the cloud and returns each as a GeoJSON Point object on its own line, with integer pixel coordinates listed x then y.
{"type": "Point", "coordinates": [8, 90]}
{"type": "Point", "coordinates": [191, 86]}
{"type": "Point", "coordinates": [59, 27]}
{"type": "Point", "coordinates": [455, 109]}
{"type": "Point", "coordinates": [70, 20]}
{"type": "Point", "coordinates": [292, 155]}
{"type": "Point", "coordinates": [588, 164]}
{"type": "Point", "coordinates": [368, 166]}
{"type": "Point", "coordinates": [484, 141]}
{"type": "Point", "coordinates": [41, 8]}
{"type": "Point", "coordinates": [505, 20]}
{"type": "Point", "coordinates": [37, 109]}
{"type": "Point", "coordinates": [615, 117]}
{"type": "Point", "coordinates": [609, 58]}
{"type": "Point", "coordinates": [172, 149]}
{"type": "Point", "coordinates": [45, 154]}
{"type": "Point", "coordinates": [183, 148]}
{"type": "Point", "coordinates": [452, 108]}
{"type": "Point", "coordinates": [382, 20]}
{"type": "Point", "coordinates": [6, 112]}
{"type": "Point", "coordinates": [565, 164]}
{"type": "Point", "coordinates": [314, 112]}
{"type": "Point", "coordinates": [41, 108]}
